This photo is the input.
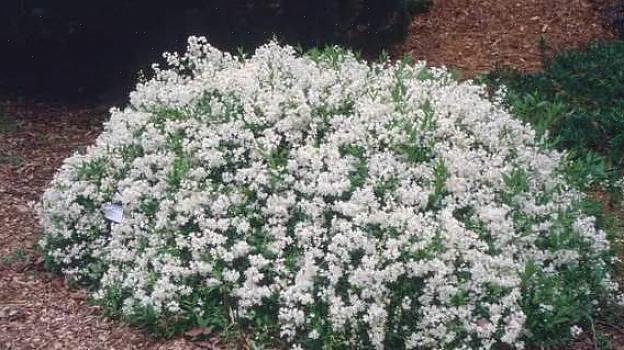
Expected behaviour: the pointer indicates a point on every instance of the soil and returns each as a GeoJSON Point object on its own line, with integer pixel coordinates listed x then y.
{"type": "Point", "coordinates": [39, 311]}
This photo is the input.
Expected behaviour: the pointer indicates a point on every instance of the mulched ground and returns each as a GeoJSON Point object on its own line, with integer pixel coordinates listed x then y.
{"type": "Point", "coordinates": [38, 311]}
{"type": "Point", "coordinates": [475, 36]}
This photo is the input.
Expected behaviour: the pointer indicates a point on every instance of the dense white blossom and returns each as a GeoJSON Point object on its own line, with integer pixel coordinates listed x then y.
{"type": "Point", "coordinates": [385, 204]}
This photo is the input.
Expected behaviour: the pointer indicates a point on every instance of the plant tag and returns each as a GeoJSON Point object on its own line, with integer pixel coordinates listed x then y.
{"type": "Point", "coordinates": [113, 212]}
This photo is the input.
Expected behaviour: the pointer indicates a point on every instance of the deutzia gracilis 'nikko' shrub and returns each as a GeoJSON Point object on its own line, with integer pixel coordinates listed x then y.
{"type": "Point", "coordinates": [327, 202]}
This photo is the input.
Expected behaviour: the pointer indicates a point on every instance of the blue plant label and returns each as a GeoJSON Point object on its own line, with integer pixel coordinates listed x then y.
{"type": "Point", "coordinates": [113, 212]}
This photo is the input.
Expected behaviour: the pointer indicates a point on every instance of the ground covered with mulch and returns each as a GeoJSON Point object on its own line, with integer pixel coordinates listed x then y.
{"type": "Point", "coordinates": [37, 309]}
{"type": "Point", "coordinates": [476, 36]}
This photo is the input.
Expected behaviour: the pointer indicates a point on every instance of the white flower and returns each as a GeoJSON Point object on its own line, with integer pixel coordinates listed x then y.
{"type": "Point", "coordinates": [314, 334]}
{"type": "Point", "coordinates": [305, 185]}
{"type": "Point", "coordinates": [575, 331]}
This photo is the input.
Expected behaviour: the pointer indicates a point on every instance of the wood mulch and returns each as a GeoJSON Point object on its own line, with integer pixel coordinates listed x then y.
{"type": "Point", "coordinates": [476, 36]}
{"type": "Point", "coordinates": [38, 311]}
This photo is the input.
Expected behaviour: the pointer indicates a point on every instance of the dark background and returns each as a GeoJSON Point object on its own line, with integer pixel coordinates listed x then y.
{"type": "Point", "coordinates": [93, 50]}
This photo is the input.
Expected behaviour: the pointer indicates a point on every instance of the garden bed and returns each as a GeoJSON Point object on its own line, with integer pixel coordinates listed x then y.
{"type": "Point", "coordinates": [37, 308]}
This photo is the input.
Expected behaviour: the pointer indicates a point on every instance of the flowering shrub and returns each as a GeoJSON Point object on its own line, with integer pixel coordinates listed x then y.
{"type": "Point", "coordinates": [328, 201]}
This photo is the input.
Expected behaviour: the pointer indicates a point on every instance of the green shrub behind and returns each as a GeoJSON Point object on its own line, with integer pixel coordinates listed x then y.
{"type": "Point", "coordinates": [579, 100]}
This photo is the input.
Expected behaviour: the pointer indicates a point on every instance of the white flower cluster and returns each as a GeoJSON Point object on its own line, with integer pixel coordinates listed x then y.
{"type": "Point", "coordinates": [371, 205]}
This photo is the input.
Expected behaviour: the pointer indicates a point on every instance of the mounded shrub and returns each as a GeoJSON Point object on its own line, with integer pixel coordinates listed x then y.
{"type": "Point", "coordinates": [329, 202]}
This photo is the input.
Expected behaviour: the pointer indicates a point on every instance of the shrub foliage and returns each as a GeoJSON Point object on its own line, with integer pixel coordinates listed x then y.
{"type": "Point", "coordinates": [579, 101]}
{"type": "Point", "coordinates": [328, 202]}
